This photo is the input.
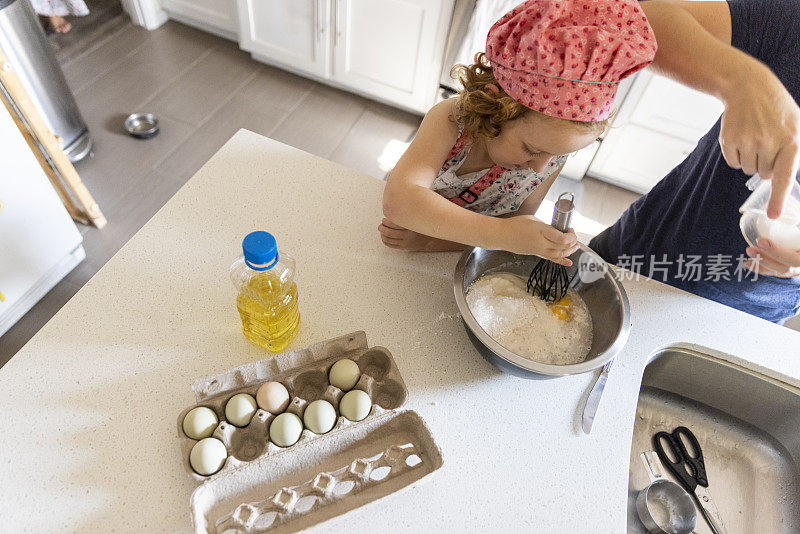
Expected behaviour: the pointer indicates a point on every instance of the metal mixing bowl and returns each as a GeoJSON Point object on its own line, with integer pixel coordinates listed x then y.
{"type": "Point", "coordinates": [590, 277]}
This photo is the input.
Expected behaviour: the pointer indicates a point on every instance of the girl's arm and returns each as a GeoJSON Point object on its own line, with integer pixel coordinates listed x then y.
{"type": "Point", "coordinates": [409, 202]}
{"type": "Point", "coordinates": [394, 236]}
{"type": "Point", "coordinates": [531, 205]}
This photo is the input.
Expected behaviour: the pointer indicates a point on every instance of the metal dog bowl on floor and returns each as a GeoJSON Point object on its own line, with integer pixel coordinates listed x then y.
{"type": "Point", "coordinates": [590, 276]}
{"type": "Point", "coordinates": [141, 125]}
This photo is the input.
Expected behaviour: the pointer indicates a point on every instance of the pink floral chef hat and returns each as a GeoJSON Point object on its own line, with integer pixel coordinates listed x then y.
{"type": "Point", "coordinates": [565, 58]}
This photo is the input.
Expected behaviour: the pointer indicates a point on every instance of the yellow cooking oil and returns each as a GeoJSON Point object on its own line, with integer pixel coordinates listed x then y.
{"type": "Point", "coordinates": [267, 293]}
{"type": "Point", "coordinates": [269, 310]}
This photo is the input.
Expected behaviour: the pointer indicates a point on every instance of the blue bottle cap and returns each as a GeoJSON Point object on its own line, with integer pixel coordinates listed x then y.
{"type": "Point", "coordinates": [260, 250]}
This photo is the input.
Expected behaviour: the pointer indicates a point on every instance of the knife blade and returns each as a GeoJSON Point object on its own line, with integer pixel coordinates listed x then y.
{"type": "Point", "coordinates": [593, 400]}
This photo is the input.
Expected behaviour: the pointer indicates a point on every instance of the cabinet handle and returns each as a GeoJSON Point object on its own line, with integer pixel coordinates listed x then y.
{"type": "Point", "coordinates": [320, 23]}
{"type": "Point", "coordinates": [335, 22]}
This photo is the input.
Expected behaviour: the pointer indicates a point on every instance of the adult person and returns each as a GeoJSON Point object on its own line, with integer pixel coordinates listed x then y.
{"type": "Point", "coordinates": [746, 53]}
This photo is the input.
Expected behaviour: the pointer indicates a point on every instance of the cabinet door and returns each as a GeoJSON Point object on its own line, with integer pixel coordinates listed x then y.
{"type": "Point", "coordinates": [214, 14]}
{"type": "Point", "coordinates": [389, 48]}
{"type": "Point", "coordinates": [637, 158]}
{"type": "Point", "coordinates": [677, 110]}
{"type": "Point", "coordinates": [657, 126]}
{"type": "Point", "coordinates": [292, 33]}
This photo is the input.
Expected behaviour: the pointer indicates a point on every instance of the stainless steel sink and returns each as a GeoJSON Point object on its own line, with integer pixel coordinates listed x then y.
{"type": "Point", "coordinates": [748, 426]}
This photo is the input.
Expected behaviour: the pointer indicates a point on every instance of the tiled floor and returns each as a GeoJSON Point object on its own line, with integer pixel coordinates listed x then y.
{"type": "Point", "coordinates": [103, 19]}
{"type": "Point", "coordinates": [203, 89]}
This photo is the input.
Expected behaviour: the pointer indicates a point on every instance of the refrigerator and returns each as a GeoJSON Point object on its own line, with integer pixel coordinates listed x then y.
{"type": "Point", "coordinates": [30, 54]}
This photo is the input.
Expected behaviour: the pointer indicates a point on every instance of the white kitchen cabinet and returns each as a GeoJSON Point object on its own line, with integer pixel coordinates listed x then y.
{"type": "Point", "coordinates": [294, 34]}
{"type": "Point", "coordinates": [672, 108]}
{"type": "Point", "coordinates": [389, 50]}
{"type": "Point", "coordinates": [658, 124]}
{"type": "Point", "coordinates": [215, 16]}
{"type": "Point", "coordinates": [636, 157]}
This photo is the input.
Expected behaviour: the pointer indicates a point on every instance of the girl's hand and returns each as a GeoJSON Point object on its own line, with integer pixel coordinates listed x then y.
{"type": "Point", "coordinates": [395, 236]}
{"type": "Point", "coordinates": [527, 235]}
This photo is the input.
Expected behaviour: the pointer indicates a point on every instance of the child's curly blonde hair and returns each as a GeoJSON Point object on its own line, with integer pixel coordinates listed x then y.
{"type": "Point", "coordinates": [482, 113]}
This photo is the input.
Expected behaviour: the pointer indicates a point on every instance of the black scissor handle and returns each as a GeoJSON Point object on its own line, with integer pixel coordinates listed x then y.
{"type": "Point", "coordinates": [677, 466]}
{"type": "Point", "coordinates": [696, 462]}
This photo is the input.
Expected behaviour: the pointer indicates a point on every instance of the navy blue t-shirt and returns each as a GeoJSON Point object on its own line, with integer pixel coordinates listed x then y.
{"type": "Point", "coordinates": [692, 215]}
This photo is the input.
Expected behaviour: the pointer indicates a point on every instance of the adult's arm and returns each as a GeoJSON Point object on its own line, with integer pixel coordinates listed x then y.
{"type": "Point", "coordinates": [760, 129]}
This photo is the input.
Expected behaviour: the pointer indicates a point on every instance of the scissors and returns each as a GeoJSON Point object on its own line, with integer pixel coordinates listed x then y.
{"type": "Point", "coordinates": [689, 469]}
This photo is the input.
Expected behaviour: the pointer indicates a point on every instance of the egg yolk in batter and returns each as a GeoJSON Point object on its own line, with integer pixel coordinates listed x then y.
{"type": "Point", "coordinates": [560, 308]}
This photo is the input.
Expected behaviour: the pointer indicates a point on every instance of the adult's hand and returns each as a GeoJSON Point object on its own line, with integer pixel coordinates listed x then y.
{"type": "Point", "coordinates": [761, 124]}
{"type": "Point", "coordinates": [772, 260]}
{"type": "Point", "coordinates": [760, 132]}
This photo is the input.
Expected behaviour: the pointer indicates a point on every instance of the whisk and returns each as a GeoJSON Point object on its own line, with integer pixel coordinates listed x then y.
{"type": "Point", "coordinates": [549, 279]}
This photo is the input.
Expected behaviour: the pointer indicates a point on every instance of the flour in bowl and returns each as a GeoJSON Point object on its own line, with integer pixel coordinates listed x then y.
{"type": "Point", "coordinates": [558, 334]}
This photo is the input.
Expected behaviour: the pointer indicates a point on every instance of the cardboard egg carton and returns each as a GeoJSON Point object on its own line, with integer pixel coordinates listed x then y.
{"type": "Point", "coordinates": [266, 488]}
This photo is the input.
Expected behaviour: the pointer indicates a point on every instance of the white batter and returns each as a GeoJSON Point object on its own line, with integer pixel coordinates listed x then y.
{"type": "Point", "coordinates": [526, 325]}
{"type": "Point", "coordinates": [784, 231]}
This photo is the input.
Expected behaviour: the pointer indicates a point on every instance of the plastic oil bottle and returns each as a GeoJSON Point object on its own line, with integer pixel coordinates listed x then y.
{"type": "Point", "coordinates": [267, 300]}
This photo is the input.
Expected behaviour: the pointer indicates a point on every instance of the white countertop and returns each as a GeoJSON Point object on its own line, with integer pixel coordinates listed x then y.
{"type": "Point", "coordinates": [90, 403]}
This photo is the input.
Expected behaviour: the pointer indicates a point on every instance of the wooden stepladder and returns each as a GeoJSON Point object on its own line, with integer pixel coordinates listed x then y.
{"type": "Point", "coordinates": [45, 145]}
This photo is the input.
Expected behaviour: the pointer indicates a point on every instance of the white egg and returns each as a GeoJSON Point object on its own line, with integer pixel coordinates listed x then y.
{"type": "Point", "coordinates": [344, 374]}
{"type": "Point", "coordinates": [200, 422]}
{"type": "Point", "coordinates": [272, 397]}
{"type": "Point", "coordinates": [319, 416]}
{"type": "Point", "coordinates": [208, 456]}
{"type": "Point", "coordinates": [240, 409]}
{"type": "Point", "coordinates": [285, 430]}
{"type": "Point", "coordinates": [355, 405]}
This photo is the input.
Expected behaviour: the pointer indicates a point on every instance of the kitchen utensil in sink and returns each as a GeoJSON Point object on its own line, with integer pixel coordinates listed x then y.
{"type": "Point", "coordinates": [688, 467]}
{"type": "Point", "coordinates": [663, 506]}
{"type": "Point", "coordinates": [549, 279]}
{"type": "Point", "coordinates": [593, 400]}
{"type": "Point", "coordinates": [754, 223]}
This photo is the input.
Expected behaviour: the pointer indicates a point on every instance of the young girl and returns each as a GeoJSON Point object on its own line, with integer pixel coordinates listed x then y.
{"type": "Point", "coordinates": [482, 162]}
